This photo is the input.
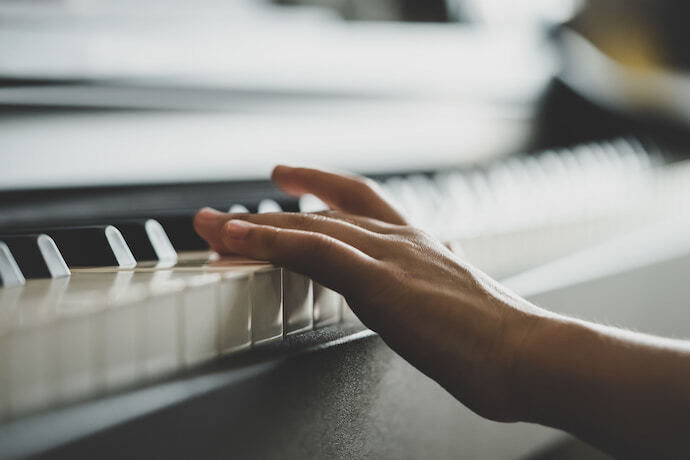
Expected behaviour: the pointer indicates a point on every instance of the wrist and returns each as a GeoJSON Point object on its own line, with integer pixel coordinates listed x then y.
{"type": "Point", "coordinates": [545, 368]}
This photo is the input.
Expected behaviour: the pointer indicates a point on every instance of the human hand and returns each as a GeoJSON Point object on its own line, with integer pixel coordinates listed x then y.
{"type": "Point", "coordinates": [448, 319]}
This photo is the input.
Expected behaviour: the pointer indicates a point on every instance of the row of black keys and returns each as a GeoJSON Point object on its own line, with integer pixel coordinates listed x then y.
{"type": "Point", "coordinates": [49, 252]}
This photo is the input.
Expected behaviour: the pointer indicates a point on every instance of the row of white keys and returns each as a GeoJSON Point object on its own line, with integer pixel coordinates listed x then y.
{"type": "Point", "coordinates": [73, 337]}
{"type": "Point", "coordinates": [102, 329]}
{"type": "Point", "coordinates": [204, 306]}
{"type": "Point", "coordinates": [264, 304]}
{"type": "Point", "coordinates": [305, 304]}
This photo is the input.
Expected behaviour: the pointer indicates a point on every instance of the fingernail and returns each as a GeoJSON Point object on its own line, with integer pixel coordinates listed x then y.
{"type": "Point", "coordinates": [280, 169]}
{"type": "Point", "coordinates": [237, 229]}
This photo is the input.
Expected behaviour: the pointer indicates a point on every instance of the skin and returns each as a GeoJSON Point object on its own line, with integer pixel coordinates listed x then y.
{"type": "Point", "coordinates": [504, 358]}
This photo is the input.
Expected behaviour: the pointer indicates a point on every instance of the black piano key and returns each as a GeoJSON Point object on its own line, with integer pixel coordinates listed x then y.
{"type": "Point", "coordinates": [91, 246]}
{"type": "Point", "coordinates": [147, 240]}
{"type": "Point", "coordinates": [180, 230]}
{"type": "Point", "coordinates": [289, 204]}
{"type": "Point", "coordinates": [36, 255]}
{"type": "Point", "coordinates": [10, 274]}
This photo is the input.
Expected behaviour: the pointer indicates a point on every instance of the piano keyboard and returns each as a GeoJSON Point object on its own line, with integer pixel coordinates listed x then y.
{"type": "Point", "coordinates": [93, 309]}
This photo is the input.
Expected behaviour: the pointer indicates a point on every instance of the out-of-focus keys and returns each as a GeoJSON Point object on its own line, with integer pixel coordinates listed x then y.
{"type": "Point", "coordinates": [92, 246]}
{"type": "Point", "coordinates": [10, 274]}
{"type": "Point", "coordinates": [148, 241]}
{"type": "Point", "coordinates": [36, 255]}
{"type": "Point", "coordinates": [298, 303]}
{"type": "Point", "coordinates": [327, 306]}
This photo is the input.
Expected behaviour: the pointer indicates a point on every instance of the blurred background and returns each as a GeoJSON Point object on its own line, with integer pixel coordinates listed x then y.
{"type": "Point", "coordinates": [156, 91]}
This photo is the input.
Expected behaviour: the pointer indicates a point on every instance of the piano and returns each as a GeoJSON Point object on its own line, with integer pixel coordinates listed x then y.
{"type": "Point", "coordinates": [122, 334]}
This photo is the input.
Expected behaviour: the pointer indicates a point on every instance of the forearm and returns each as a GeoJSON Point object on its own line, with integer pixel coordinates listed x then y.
{"type": "Point", "coordinates": [625, 392]}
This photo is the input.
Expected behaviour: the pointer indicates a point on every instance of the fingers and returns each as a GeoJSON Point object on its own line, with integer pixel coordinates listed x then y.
{"type": "Point", "coordinates": [367, 223]}
{"type": "Point", "coordinates": [353, 195]}
{"type": "Point", "coordinates": [329, 261]}
{"type": "Point", "coordinates": [209, 224]}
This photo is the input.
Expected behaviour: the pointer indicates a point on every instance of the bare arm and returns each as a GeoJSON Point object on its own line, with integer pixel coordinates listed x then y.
{"type": "Point", "coordinates": [503, 357]}
{"type": "Point", "coordinates": [625, 392]}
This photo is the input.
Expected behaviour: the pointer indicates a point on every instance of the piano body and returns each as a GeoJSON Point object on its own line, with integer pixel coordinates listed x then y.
{"type": "Point", "coordinates": [122, 335]}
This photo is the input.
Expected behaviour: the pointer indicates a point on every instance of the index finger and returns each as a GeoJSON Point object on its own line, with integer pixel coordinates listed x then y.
{"type": "Point", "coordinates": [355, 195]}
{"type": "Point", "coordinates": [329, 261]}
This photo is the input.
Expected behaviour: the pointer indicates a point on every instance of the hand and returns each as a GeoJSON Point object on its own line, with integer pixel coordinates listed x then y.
{"type": "Point", "coordinates": [498, 354]}
{"type": "Point", "coordinates": [445, 317]}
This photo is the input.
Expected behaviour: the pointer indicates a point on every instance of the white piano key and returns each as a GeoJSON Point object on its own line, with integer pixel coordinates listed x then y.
{"type": "Point", "coordinates": [298, 303]}
{"type": "Point", "coordinates": [4, 377]}
{"type": "Point", "coordinates": [234, 318]}
{"type": "Point", "coordinates": [158, 323]}
{"type": "Point", "coordinates": [327, 306]}
{"type": "Point", "coordinates": [267, 305]}
{"type": "Point", "coordinates": [120, 336]}
{"type": "Point", "coordinates": [238, 209]}
{"type": "Point", "coordinates": [80, 340]}
{"type": "Point", "coordinates": [269, 206]}
{"type": "Point", "coordinates": [8, 301]}
{"type": "Point", "coordinates": [32, 369]}
{"type": "Point", "coordinates": [197, 319]}
{"type": "Point", "coordinates": [53, 259]}
{"type": "Point", "coordinates": [347, 314]}
{"type": "Point", "coordinates": [161, 243]}
{"type": "Point", "coordinates": [10, 275]}
{"type": "Point", "coordinates": [30, 347]}
{"type": "Point", "coordinates": [311, 203]}
{"type": "Point", "coordinates": [266, 293]}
